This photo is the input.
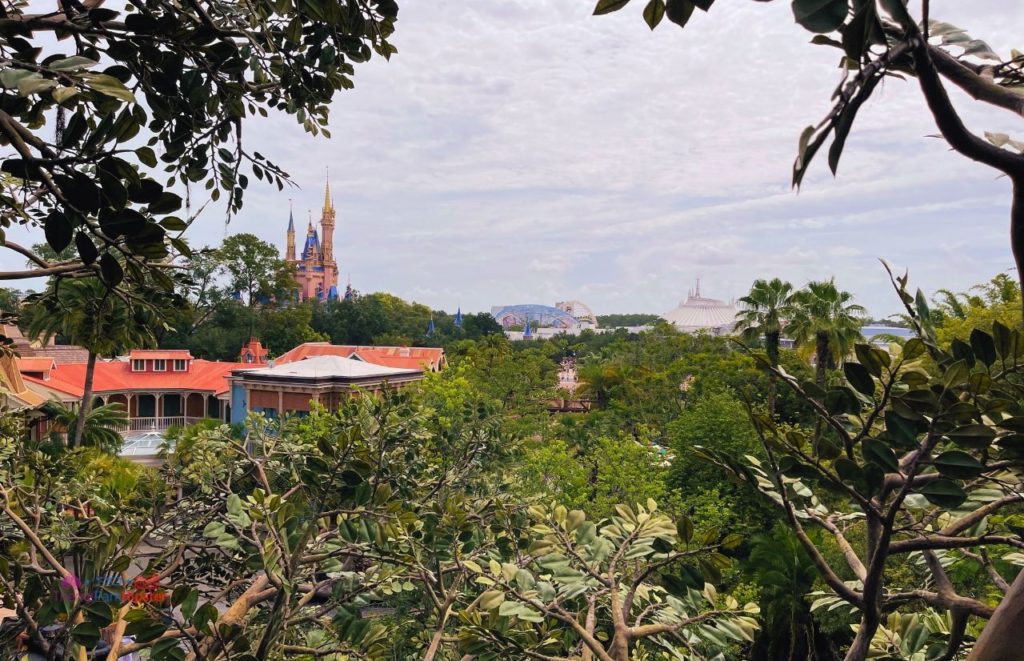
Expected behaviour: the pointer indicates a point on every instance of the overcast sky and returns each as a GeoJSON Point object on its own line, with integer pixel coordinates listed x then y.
{"type": "Point", "coordinates": [524, 151]}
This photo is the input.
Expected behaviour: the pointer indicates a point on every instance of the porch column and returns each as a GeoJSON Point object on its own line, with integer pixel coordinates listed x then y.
{"type": "Point", "coordinates": [206, 405]}
{"type": "Point", "coordinates": [280, 403]}
{"type": "Point", "coordinates": [159, 405]}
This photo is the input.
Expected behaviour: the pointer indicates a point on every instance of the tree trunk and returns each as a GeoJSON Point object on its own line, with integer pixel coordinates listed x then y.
{"type": "Point", "coordinates": [821, 353]}
{"type": "Point", "coordinates": [86, 405]}
{"type": "Point", "coordinates": [1000, 640]}
{"type": "Point", "coordinates": [1017, 232]}
{"type": "Point", "coordinates": [771, 341]}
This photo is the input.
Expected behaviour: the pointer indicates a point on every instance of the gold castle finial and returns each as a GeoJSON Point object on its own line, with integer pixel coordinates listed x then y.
{"type": "Point", "coordinates": [328, 203]}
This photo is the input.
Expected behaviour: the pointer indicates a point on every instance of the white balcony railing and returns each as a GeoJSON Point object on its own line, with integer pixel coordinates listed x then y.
{"type": "Point", "coordinates": [162, 423]}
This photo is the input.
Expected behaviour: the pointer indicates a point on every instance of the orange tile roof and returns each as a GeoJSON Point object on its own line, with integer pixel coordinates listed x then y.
{"type": "Point", "coordinates": [403, 357]}
{"type": "Point", "coordinates": [35, 364]}
{"type": "Point", "coordinates": [117, 376]}
{"type": "Point", "coordinates": [13, 382]}
{"type": "Point", "coordinates": [160, 354]}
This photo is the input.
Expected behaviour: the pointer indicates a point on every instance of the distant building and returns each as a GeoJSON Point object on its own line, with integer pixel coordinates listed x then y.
{"type": "Point", "coordinates": [291, 388]}
{"type": "Point", "coordinates": [253, 353]}
{"type": "Point", "coordinates": [61, 353]}
{"type": "Point", "coordinates": [563, 316]}
{"type": "Point", "coordinates": [698, 313]}
{"type": "Point", "coordinates": [316, 270]}
{"type": "Point", "coordinates": [158, 388]}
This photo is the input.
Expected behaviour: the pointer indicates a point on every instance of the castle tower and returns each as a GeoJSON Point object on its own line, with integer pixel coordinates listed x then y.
{"type": "Point", "coordinates": [327, 223]}
{"type": "Point", "coordinates": [289, 251]}
{"type": "Point", "coordinates": [316, 270]}
{"type": "Point", "coordinates": [311, 251]}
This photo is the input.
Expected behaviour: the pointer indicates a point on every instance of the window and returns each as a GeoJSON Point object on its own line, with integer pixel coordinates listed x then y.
{"type": "Point", "coordinates": [179, 365]}
{"type": "Point", "coordinates": [159, 365]}
{"type": "Point", "coordinates": [138, 366]}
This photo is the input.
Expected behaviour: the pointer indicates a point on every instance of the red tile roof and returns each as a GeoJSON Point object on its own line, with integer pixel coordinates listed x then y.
{"type": "Point", "coordinates": [403, 357]}
{"type": "Point", "coordinates": [117, 376]}
{"type": "Point", "coordinates": [160, 354]}
{"type": "Point", "coordinates": [35, 364]}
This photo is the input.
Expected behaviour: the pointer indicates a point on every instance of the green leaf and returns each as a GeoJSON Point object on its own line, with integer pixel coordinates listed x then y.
{"type": "Point", "coordinates": [146, 156]}
{"type": "Point", "coordinates": [58, 230]}
{"type": "Point", "coordinates": [110, 270]}
{"type": "Point", "coordinates": [732, 541]}
{"type": "Point", "coordinates": [962, 351]}
{"type": "Point", "coordinates": [684, 526]}
{"type": "Point", "coordinates": [86, 248]}
{"type": "Point", "coordinates": [972, 436]}
{"type": "Point", "coordinates": [859, 378]}
{"type": "Point", "coordinates": [944, 493]}
{"type": "Point", "coordinates": [869, 359]}
{"type": "Point", "coordinates": [654, 12]}
{"type": "Point", "coordinates": [62, 94]}
{"type": "Point", "coordinates": [820, 15]}
{"type": "Point", "coordinates": [109, 86]}
{"type": "Point", "coordinates": [984, 346]}
{"type": "Point", "coordinates": [958, 464]}
{"type": "Point", "coordinates": [1001, 335]}
{"type": "Point", "coordinates": [956, 374]}
{"type": "Point", "coordinates": [608, 6]}
{"type": "Point", "coordinates": [86, 633]}
{"type": "Point", "coordinates": [72, 63]}
{"type": "Point", "coordinates": [914, 348]}
{"type": "Point", "coordinates": [878, 452]}
{"type": "Point", "coordinates": [679, 11]}
{"type": "Point", "coordinates": [491, 599]}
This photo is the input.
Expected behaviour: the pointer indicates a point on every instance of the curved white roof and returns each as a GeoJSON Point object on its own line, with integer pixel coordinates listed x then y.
{"type": "Point", "coordinates": [699, 313]}
{"type": "Point", "coordinates": [329, 366]}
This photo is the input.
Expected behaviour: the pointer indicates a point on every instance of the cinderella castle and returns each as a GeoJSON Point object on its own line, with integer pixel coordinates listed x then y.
{"type": "Point", "coordinates": [316, 270]}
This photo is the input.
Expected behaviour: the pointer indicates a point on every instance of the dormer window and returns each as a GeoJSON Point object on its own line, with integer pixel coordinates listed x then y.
{"type": "Point", "coordinates": [180, 365]}
{"type": "Point", "coordinates": [159, 365]}
{"type": "Point", "coordinates": [138, 366]}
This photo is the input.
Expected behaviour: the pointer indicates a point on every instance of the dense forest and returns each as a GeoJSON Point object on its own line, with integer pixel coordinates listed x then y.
{"type": "Point", "coordinates": [463, 517]}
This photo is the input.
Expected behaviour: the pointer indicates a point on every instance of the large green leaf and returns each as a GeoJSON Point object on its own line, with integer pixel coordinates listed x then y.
{"type": "Point", "coordinates": [859, 378]}
{"type": "Point", "coordinates": [878, 452]}
{"type": "Point", "coordinates": [654, 12]}
{"type": "Point", "coordinates": [984, 346]}
{"type": "Point", "coordinates": [608, 6]}
{"type": "Point", "coordinates": [944, 493]}
{"type": "Point", "coordinates": [820, 15]}
{"type": "Point", "coordinates": [972, 436]}
{"type": "Point", "coordinates": [958, 464]}
{"type": "Point", "coordinates": [679, 11]}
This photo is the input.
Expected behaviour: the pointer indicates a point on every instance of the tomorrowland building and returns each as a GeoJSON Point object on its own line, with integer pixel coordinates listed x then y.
{"type": "Point", "coordinates": [698, 313]}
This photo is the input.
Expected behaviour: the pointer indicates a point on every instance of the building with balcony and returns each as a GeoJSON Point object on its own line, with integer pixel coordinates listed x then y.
{"type": "Point", "coordinates": [430, 359]}
{"type": "Point", "coordinates": [292, 388]}
{"type": "Point", "coordinates": [158, 388]}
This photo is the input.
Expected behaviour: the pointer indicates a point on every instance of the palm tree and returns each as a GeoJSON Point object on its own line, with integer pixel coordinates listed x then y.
{"type": "Point", "coordinates": [85, 312]}
{"type": "Point", "coordinates": [825, 315]}
{"type": "Point", "coordinates": [100, 426]}
{"type": "Point", "coordinates": [765, 310]}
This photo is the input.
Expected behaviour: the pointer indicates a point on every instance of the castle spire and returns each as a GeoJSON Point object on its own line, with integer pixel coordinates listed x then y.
{"type": "Point", "coordinates": [289, 251]}
{"type": "Point", "coordinates": [328, 202]}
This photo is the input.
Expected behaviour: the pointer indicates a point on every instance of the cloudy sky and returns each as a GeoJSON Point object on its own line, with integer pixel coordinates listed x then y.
{"type": "Point", "coordinates": [522, 151]}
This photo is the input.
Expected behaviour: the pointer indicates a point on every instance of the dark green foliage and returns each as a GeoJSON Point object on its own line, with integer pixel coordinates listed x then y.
{"type": "Point", "coordinates": [785, 574]}
{"type": "Point", "coordinates": [619, 320]}
{"type": "Point", "coordinates": [158, 78]}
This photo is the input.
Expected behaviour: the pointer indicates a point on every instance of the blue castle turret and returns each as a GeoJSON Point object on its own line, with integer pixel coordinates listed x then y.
{"type": "Point", "coordinates": [458, 317]}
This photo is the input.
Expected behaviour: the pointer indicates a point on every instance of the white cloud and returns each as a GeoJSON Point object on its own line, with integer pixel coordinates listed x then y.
{"type": "Point", "coordinates": [523, 150]}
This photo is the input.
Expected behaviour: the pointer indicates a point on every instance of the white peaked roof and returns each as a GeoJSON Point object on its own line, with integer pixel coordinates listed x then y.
{"type": "Point", "coordinates": [329, 366]}
{"type": "Point", "coordinates": [700, 313]}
